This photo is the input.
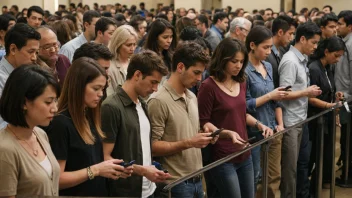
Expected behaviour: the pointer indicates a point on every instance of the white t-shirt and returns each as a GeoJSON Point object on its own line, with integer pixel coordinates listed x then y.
{"type": "Point", "coordinates": [148, 187]}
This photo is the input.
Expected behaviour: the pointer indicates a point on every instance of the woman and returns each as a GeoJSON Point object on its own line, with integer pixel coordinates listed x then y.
{"type": "Point", "coordinates": [122, 45]}
{"type": "Point", "coordinates": [222, 104]}
{"type": "Point", "coordinates": [27, 165]}
{"type": "Point", "coordinates": [261, 100]}
{"type": "Point", "coordinates": [75, 133]}
{"type": "Point", "coordinates": [328, 52]}
{"type": "Point", "coordinates": [162, 40]}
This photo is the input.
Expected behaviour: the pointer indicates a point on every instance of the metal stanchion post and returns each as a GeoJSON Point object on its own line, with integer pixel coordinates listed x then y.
{"type": "Point", "coordinates": [332, 186]}
{"type": "Point", "coordinates": [265, 169]}
{"type": "Point", "coordinates": [170, 193]}
{"type": "Point", "coordinates": [319, 157]}
{"type": "Point", "coordinates": [347, 153]}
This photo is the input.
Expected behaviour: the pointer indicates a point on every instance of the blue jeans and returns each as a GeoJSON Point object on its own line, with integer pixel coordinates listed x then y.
{"type": "Point", "coordinates": [255, 152]}
{"type": "Point", "coordinates": [188, 190]}
{"type": "Point", "coordinates": [234, 180]}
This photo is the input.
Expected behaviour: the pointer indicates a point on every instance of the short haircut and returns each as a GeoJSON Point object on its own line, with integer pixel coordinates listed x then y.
{"type": "Point", "coordinates": [93, 50]}
{"type": "Point", "coordinates": [103, 24]}
{"type": "Point", "coordinates": [190, 33]}
{"type": "Point", "coordinates": [25, 82]}
{"type": "Point", "coordinates": [146, 62]}
{"type": "Point", "coordinates": [4, 6]}
{"type": "Point", "coordinates": [257, 35]}
{"type": "Point", "coordinates": [219, 15]}
{"type": "Point", "coordinates": [269, 9]}
{"type": "Point", "coordinates": [89, 15]}
{"type": "Point", "coordinates": [136, 21]}
{"type": "Point", "coordinates": [332, 44]}
{"type": "Point", "coordinates": [203, 19]}
{"type": "Point", "coordinates": [239, 22]}
{"type": "Point", "coordinates": [328, 17]}
{"type": "Point", "coordinates": [19, 35]}
{"type": "Point", "coordinates": [328, 6]}
{"type": "Point", "coordinates": [36, 9]}
{"type": "Point", "coordinates": [308, 30]}
{"type": "Point", "coordinates": [189, 53]}
{"type": "Point", "coordinates": [225, 52]}
{"type": "Point", "coordinates": [282, 22]}
{"type": "Point", "coordinates": [347, 16]}
{"type": "Point", "coordinates": [62, 6]}
{"type": "Point", "coordinates": [303, 10]}
{"type": "Point", "coordinates": [4, 23]}
{"type": "Point", "coordinates": [15, 7]}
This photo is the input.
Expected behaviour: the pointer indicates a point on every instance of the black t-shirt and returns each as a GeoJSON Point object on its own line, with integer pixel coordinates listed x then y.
{"type": "Point", "coordinates": [68, 145]}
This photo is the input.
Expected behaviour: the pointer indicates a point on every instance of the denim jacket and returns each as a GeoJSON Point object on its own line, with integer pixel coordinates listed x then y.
{"type": "Point", "coordinates": [258, 86]}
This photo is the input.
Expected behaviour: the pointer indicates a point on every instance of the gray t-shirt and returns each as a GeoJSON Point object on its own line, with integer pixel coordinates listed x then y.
{"type": "Point", "coordinates": [293, 71]}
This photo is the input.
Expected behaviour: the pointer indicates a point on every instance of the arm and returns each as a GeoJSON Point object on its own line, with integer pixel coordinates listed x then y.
{"type": "Point", "coordinates": [110, 122]}
{"type": "Point", "coordinates": [71, 179]}
{"type": "Point", "coordinates": [251, 121]}
{"type": "Point", "coordinates": [320, 103]}
{"type": "Point", "coordinates": [163, 148]}
{"type": "Point", "coordinates": [107, 149]}
{"type": "Point", "coordinates": [278, 115]}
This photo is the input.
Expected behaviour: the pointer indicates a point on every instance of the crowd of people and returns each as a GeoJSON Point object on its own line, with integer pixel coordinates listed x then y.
{"type": "Point", "coordinates": [115, 101]}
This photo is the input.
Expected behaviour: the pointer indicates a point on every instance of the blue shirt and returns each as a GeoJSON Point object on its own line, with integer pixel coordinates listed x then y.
{"type": "Point", "coordinates": [5, 70]}
{"type": "Point", "coordinates": [258, 86]}
{"type": "Point", "coordinates": [70, 47]}
{"type": "Point", "coordinates": [217, 32]}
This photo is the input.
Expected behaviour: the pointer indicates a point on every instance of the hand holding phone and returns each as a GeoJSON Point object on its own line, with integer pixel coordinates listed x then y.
{"type": "Point", "coordinates": [215, 133]}
{"type": "Point", "coordinates": [124, 164]}
{"type": "Point", "coordinates": [288, 88]}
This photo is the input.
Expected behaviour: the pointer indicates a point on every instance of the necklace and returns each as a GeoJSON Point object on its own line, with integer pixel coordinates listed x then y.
{"type": "Point", "coordinates": [35, 151]}
{"type": "Point", "coordinates": [230, 89]}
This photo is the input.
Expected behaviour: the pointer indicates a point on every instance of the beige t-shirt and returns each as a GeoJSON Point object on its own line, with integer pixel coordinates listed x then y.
{"type": "Point", "coordinates": [20, 173]}
{"type": "Point", "coordinates": [117, 77]}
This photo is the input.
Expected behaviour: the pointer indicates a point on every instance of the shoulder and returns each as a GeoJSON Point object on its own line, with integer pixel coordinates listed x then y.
{"type": "Point", "coordinates": [160, 94]}
{"type": "Point", "coordinates": [8, 148]}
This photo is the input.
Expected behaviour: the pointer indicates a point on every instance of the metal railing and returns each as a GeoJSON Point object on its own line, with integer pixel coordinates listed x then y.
{"type": "Point", "coordinates": [266, 141]}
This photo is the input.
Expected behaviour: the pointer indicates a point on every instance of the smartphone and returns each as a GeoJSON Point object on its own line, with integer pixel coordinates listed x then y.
{"type": "Point", "coordinates": [215, 133]}
{"type": "Point", "coordinates": [124, 164]}
{"type": "Point", "coordinates": [287, 88]}
{"type": "Point", "coordinates": [159, 166]}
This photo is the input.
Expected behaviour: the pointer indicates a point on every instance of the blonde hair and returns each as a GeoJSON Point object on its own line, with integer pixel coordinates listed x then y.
{"type": "Point", "coordinates": [120, 36]}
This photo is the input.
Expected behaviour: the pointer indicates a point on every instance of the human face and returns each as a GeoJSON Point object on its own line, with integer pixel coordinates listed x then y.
{"type": "Point", "coordinates": [126, 50]}
{"type": "Point", "coordinates": [199, 25]}
{"type": "Point", "coordinates": [301, 19]}
{"type": "Point", "coordinates": [288, 36]}
{"type": "Point", "coordinates": [342, 29]}
{"type": "Point", "coordinates": [170, 16]}
{"type": "Point", "coordinates": [182, 12]}
{"type": "Point", "coordinates": [49, 48]}
{"type": "Point", "coordinates": [326, 10]}
{"type": "Point", "coordinates": [242, 32]}
{"type": "Point", "coordinates": [165, 39]}
{"type": "Point", "coordinates": [191, 76]}
{"type": "Point", "coordinates": [11, 24]}
{"type": "Point", "coordinates": [310, 45]}
{"type": "Point", "coordinates": [27, 54]}
{"type": "Point", "coordinates": [148, 84]}
{"type": "Point", "coordinates": [106, 37]}
{"type": "Point", "coordinates": [90, 28]}
{"type": "Point", "coordinates": [35, 20]}
{"type": "Point", "coordinates": [267, 15]}
{"type": "Point", "coordinates": [329, 30]}
{"type": "Point", "coordinates": [42, 109]}
{"type": "Point", "coordinates": [234, 66]}
{"type": "Point", "coordinates": [263, 50]}
{"type": "Point", "coordinates": [333, 57]}
{"type": "Point", "coordinates": [94, 91]}
{"type": "Point", "coordinates": [105, 64]}
{"type": "Point", "coordinates": [224, 24]}
{"type": "Point", "coordinates": [142, 29]}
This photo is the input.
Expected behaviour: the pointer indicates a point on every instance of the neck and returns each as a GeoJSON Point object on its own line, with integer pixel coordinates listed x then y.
{"type": "Point", "coordinates": [123, 60]}
{"type": "Point", "coordinates": [86, 35]}
{"type": "Point", "coordinates": [21, 132]}
{"type": "Point", "coordinates": [98, 41]}
{"type": "Point", "coordinates": [299, 47]}
{"type": "Point", "coordinates": [276, 42]}
{"type": "Point", "coordinates": [128, 87]}
{"type": "Point", "coordinates": [253, 59]}
{"type": "Point", "coordinates": [11, 60]}
{"type": "Point", "coordinates": [204, 31]}
{"type": "Point", "coordinates": [2, 42]}
{"type": "Point", "coordinates": [175, 82]}
{"type": "Point", "coordinates": [323, 62]}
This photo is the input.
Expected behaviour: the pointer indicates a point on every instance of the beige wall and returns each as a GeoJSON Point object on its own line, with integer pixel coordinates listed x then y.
{"type": "Point", "coordinates": [188, 4]}
{"type": "Point", "coordinates": [249, 5]}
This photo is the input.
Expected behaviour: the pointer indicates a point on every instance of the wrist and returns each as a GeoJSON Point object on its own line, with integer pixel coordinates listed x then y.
{"type": "Point", "coordinates": [90, 173]}
{"type": "Point", "coordinates": [188, 144]}
{"type": "Point", "coordinates": [95, 170]}
{"type": "Point", "coordinates": [258, 125]}
{"type": "Point", "coordinates": [269, 96]}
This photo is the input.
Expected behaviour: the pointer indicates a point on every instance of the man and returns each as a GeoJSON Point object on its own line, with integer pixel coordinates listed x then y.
{"type": "Point", "coordinates": [343, 77]}
{"type": "Point", "coordinates": [283, 29]}
{"type": "Point", "coordinates": [239, 28]}
{"type": "Point", "coordinates": [48, 52]}
{"type": "Point", "coordinates": [14, 10]}
{"type": "Point", "coordinates": [21, 45]}
{"type": "Point", "coordinates": [220, 24]}
{"type": "Point", "coordinates": [202, 25]}
{"type": "Point", "coordinates": [128, 14]}
{"type": "Point", "coordinates": [327, 9]}
{"type": "Point", "coordinates": [328, 25]}
{"type": "Point", "coordinates": [173, 112]}
{"type": "Point", "coordinates": [90, 18]}
{"type": "Point", "coordinates": [104, 28]}
{"type": "Point", "coordinates": [126, 124]}
{"type": "Point", "coordinates": [4, 10]}
{"type": "Point", "coordinates": [7, 21]}
{"type": "Point", "coordinates": [142, 10]}
{"type": "Point", "coordinates": [301, 19]}
{"type": "Point", "coordinates": [268, 14]}
{"type": "Point", "coordinates": [293, 72]}
{"type": "Point", "coordinates": [35, 16]}
{"type": "Point", "coordinates": [62, 8]}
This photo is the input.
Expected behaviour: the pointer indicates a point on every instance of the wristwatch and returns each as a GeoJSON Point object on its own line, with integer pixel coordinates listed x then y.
{"type": "Point", "coordinates": [90, 173]}
{"type": "Point", "coordinates": [257, 124]}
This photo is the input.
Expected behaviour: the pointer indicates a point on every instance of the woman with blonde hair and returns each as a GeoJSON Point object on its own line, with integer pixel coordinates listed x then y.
{"type": "Point", "coordinates": [122, 45]}
{"type": "Point", "coordinates": [75, 134]}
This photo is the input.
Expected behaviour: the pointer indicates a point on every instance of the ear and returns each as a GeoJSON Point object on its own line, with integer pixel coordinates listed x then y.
{"type": "Point", "coordinates": [326, 52]}
{"type": "Point", "coordinates": [100, 33]}
{"type": "Point", "coordinates": [238, 30]}
{"type": "Point", "coordinates": [302, 39]}
{"type": "Point", "coordinates": [137, 75]}
{"type": "Point", "coordinates": [280, 32]}
{"type": "Point", "coordinates": [2, 34]}
{"type": "Point", "coordinates": [86, 25]}
{"type": "Point", "coordinates": [252, 45]}
{"type": "Point", "coordinates": [180, 66]}
{"type": "Point", "coordinates": [13, 49]}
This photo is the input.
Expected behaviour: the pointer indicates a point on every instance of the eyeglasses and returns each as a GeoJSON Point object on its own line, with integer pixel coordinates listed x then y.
{"type": "Point", "coordinates": [49, 48]}
{"type": "Point", "coordinates": [246, 31]}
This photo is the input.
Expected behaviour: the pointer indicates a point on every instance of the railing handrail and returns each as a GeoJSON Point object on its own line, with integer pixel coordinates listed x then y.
{"type": "Point", "coordinates": [250, 147]}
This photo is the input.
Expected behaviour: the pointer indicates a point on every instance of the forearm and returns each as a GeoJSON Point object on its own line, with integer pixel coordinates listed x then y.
{"type": "Point", "coordinates": [263, 99]}
{"type": "Point", "coordinates": [138, 170]}
{"type": "Point", "coordinates": [293, 95]}
{"type": "Point", "coordinates": [163, 148]}
{"type": "Point", "coordinates": [250, 120]}
{"type": "Point", "coordinates": [319, 103]}
{"type": "Point", "coordinates": [74, 178]}
{"type": "Point", "coordinates": [278, 115]}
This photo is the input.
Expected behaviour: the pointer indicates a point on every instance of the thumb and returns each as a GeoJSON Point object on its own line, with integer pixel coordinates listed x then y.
{"type": "Point", "coordinates": [206, 129]}
{"type": "Point", "coordinates": [116, 161]}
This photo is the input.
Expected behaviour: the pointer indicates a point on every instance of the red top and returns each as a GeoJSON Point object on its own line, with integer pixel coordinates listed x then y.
{"type": "Point", "coordinates": [223, 111]}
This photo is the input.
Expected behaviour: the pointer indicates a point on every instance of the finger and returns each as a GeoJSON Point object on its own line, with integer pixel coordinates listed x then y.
{"type": "Point", "coordinates": [206, 134]}
{"type": "Point", "coordinates": [116, 161]}
{"type": "Point", "coordinates": [206, 129]}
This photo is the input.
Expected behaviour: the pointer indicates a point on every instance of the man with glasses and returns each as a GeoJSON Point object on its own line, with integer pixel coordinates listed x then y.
{"type": "Point", "coordinates": [48, 53]}
{"type": "Point", "coordinates": [239, 28]}
{"type": "Point", "coordinates": [203, 26]}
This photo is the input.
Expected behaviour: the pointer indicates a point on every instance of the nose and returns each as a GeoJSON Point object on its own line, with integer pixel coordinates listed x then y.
{"type": "Point", "coordinates": [55, 108]}
{"type": "Point", "coordinates": [169, 40]}
{"type": "Point", "coordinates": [155, 87]}
{"type": "Point", "coordinates": [100, 93]}
{"type": "Point", "coordinates": [34, 57]}
{"type": "Point", "coordinates": [199, 77]}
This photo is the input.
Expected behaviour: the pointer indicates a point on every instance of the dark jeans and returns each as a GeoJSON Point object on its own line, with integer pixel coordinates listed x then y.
{"type": "Point", "coordinates": [255, 152]}
{"type": "Point", "coordinates": [183, 190]}
{"type": "Point", "coordinates": [302, 184]}
{"type": "Point", "coordinates": [345, 118]}
{"type": "Point", "coordinates": [233, 180]}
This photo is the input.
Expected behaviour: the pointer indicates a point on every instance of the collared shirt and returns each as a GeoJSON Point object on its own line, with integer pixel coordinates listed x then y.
{"type": "Point", "coordinates": [343, 71]}
{"type": "Point", "coordinates": [121, 125]}
{"type": "Point", "coordinates": [174, 118]}
{"type": "Point", "coordinates": [70, 47]}
{"type": "Point", "coordinates": [5, 70]}
{"type": "Point", "coordinates": [216, 31]}
{"type": "Point", "coordinates": [116, 77]}
{"type": "Point", "coordinates": [293, 72]}
{"type": "Point", "coordinates": [258, 86]}
{"type": "Point", "coordinates": [212, 38]}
